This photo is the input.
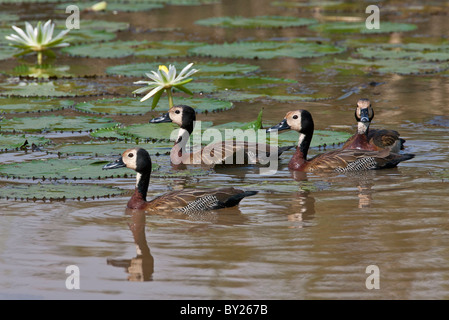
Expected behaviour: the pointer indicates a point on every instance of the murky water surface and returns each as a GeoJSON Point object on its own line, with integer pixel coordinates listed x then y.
{"type": "Point", "coordinates": [309, 241]}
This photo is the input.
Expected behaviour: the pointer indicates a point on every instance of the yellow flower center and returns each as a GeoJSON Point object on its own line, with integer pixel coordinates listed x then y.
{"type": "Point", "coordinates": [163, 68]}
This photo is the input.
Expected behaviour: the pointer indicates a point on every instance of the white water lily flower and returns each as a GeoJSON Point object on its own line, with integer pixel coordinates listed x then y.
{"type": "Point", "coordinates": [165, 80]}
{"type": "Point", "coordinates": [37, 39]}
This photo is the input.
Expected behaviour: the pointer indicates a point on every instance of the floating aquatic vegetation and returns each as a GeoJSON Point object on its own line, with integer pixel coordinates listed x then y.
{"type": "Point", "coordinates": [101, 149]}
{"type": "Point", "coordinates": [398, 66]}
{"type": "Point", "coordinates": [39, 40]}
{"type": "Point", "coordinates": [360, 27]}
{"type": "Point", "coordinates": [155, 131]}
{"type": "Point", "coordinates": [54, 123]}
{"type": "Point", "coordinates": [7, 52]}
{"type": "Point", "coordinates": [71, 88]}
{"type": "Point", "coordinates": [108, 134]}
{"type": "Point", "coordinates": [207, 68]}
{"type": "Point", "coordinates": [18, 142]}
{"type": "Point", "coordinates": [312, 3]}
{"type": "Point", "coordinates": [28, 105]}
{"type": "Point", "coordinates": [57, 191]}
{"type": "Point", "coordinates": [267, 49]}
{"type": "Point", "coordinates": [165, 79]}
{"type": "Point", "coordinates": [121, 49]}
{"type": "Point", "coordinates": [409, 51]}
{"type": "Point", "coordinates": [58, 169]}
{"type": "Point", "coordinates": [132, 106]}
{"type": "Point", "coordinates": [256, 22]}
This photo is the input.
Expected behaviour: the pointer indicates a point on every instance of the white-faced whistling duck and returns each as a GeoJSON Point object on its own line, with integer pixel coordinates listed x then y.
{"type": "Point", "coordinates": [183, 201]}
{"type": "Point", "coordinates": [338, 160]}
{"type": "Point", "coordinates": [367, 138]}
{"type": "Point", "coordinates": [184, 116]}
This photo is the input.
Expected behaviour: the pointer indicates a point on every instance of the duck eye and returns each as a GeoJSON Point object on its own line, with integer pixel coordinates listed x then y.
{"type": "Point", "coordinates": [295, 117]}
{"type": "Point", "coordinates": [130, 155]}
{"type": "Point", "coordinates": [177, 112]}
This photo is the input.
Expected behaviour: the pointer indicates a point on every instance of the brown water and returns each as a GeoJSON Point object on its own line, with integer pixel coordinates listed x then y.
{"type": "Point", "coordinates": [313, 242]}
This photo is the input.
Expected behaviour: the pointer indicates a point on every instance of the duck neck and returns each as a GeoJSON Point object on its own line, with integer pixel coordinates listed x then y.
{"type": "Point", "coordinates": [300, 156]}
{"type": "Point", "coordinates": [139, 197]}
{"type": "Point", "coordinates": [181, 142]}
{"type": "Point", "coordinates": [362, 127]}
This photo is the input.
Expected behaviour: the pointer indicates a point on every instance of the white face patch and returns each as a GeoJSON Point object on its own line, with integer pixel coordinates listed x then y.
{"type": "Point", "coordinates": [176, 117]}
{"type": "Point", "coordinates": [294, 120]}
{"type": "Point", "coordinates": [129, 157]}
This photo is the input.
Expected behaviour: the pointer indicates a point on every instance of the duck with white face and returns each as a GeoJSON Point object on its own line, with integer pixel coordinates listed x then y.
{"type": "Point", "coordinates": [372, 139]}
{"type": "Point", "coordinates": [181, 201]}
{"type": "Point", "coordinates": [337, 160]}
{"type": "Point", "coordinates": [216, 152]}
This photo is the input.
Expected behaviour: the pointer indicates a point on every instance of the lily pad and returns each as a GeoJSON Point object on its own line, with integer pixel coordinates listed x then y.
{"type": "Point", "coordinates": [398, 66]}
{"type": "Point", "coordinates": [57, 191]}
{"type": "Point", "coordinates": [7, 52]}
{"type": "Point", "coordinates": [121, 49]}
{"type": "Point", "coordinates": [119, 6]}
{"type": "Point", "coordinates": [360, 27]}
{"type": "Point", "coordinates": [55, 123]}
{"type": "Point", "coordinates": [95, 148]}
{"type": "Point", "coordinates": [206, 69]}
{"type": "Point", "coordinates": [411, 51]}
{"type": "Point", "coordinates": [155, 131]}
{"type": "Point", "coordinates": [48, 89]}
{"type": "Point", "coordinates": [56, 169]}
{"type": "Point", "coordinates": [267, 50]}
{"type": "Point", "coordinates": [256, 22]}
{"type": "Point", "coordinates": [13, 142]}
{"type": "Point", "coordinates": [133, 106]}
{"type": "Point", "coordinates": [108, 134]}
{"type": "Point", "coordinates": [27, 105]}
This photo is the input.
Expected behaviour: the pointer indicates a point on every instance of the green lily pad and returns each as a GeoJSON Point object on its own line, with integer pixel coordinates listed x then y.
{"type": "Point", "coordinates": [267, 50]}
{"type": "Point", "coordinates": [108, 134]}
{"type": "Point", "coordinates": [57, 191]}
{"type": "Point", "coordinates": [155, 131]}
{"type": "Point", "coordinates": [256, 22]}
{"type": "Point", "coordinates": [55, 123]}
{"type": "Point", "coordinates": [95, 148]}
{"type": "Point", "coordinates": [119, 6]}
{"type": "Point", "coordinates": [410, 51]}
{"type": "Point", "coordinates": [28, 105]}
{"type": "Point", "coordinates": [360, 27]}
{"type": "Point", "coordinates": [312, 3]}
{"type": "Point", "coordinates": [121, 49]}
{"type": "Point", "coordinates": [48, 89]}
{"type": "Point", "coordinates": [116, 49]}
{"type": "Point", "coordinates": [234, 95]}
{"type": "Point", "coordinates": [206, 69]}
{"type": "Point", "coordinates": [47, 71]}
{"type": "Point", "coordinates": [7, 52]}
{"type": "Point", "coordinates": [13, 142]}
{"type": "Point", "coordinates": [133, 106]}
{"type": "Point", "coordinates": [398, 66]}
{"type": "Point", "coordinates": [57, 169]}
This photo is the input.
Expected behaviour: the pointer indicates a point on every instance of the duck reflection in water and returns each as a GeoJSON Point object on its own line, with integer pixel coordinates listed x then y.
{"type": "Point", "coordinates": [141, 267]}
